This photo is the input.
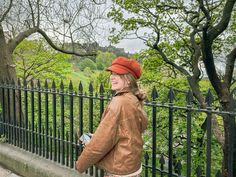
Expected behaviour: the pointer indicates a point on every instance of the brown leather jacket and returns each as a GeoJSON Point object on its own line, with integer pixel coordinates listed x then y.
{"type": "Point", "coordinates": [117, 143]}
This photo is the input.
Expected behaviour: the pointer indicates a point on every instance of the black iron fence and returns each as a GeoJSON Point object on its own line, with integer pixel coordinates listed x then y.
{"type": "Point", "coordinates": [45, 121]}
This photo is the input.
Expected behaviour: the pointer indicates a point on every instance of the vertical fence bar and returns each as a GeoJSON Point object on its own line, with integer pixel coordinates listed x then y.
{"type": "Point", "coordinates": [62, 124]}
{"type": "Point", "coordinates": [232, 136]}
{"type": "Point", "coordinates": [154, 131]}
{"type": "Point", "coordinates": [25, 115]}
{"type": "Point", "coordinates": [80, 94]}
{"type": "Point", "coordinates": [50, 143]}
{"type": "Point", "coordinates": [59, 146]}
{"type": "Point", "coordinates": [54, 114]}
{"type": "Point", "coordinates": [20, 115]}
{"type": "Point", "coordinates": [81, 114]}
{"type": "Point", "coordinates": [36, 139]}
{"type": "Point", "coordinates": [29, 136]}
{"type": "Point", "coordinates": [8, 113]}
{"type": "Point", "coordinates": [71, 95]}
{"type": "Point", "coordinates": [189, 99]}
{"type": "Point", "coordinates": [32, 118]}
{"type": "Point", "coordinates": [3, 108]}
{"type": "Point", "coordinates": [91, 116]}
{"type": "Point", "coordinates": [46, 119]}
{"type": "Point", "coordinates": [1, 113]}
{"type": "Point", "coordinates": [14, 112]}
{"type": "Point", "coordinates": [67, 149]}
{"type": "Point", "coordinates": [170, 134]}
{"type": "Point", "coordinates": [101, 112]}
{"type": "Point", "coordinates": [43, 143]}
{"type": "Point", "coordinates": [162, 163]}
{"type": "Point", "coordinates": [39, 118]}
{"type": "Point", "coordinates": [146, 159]}
{"type": "Point", "coordinates": [90, 108]}
{"type": "Point", "coordinates": [209, 100]}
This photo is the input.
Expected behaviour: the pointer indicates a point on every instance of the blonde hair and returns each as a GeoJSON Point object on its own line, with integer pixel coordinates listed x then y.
{"type": "Point", "coordinates": [133, 86]}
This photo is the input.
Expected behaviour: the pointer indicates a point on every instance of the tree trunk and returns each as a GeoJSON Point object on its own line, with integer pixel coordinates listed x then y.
{"type": "Point", "coordinates": [7, 73]}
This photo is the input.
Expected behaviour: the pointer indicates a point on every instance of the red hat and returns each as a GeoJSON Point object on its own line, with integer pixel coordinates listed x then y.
{"type": "Point", "coordinates": [122, 65]}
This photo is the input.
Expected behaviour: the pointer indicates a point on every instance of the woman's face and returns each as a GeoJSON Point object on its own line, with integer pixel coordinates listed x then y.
{"type": "Point", "coordinates": [117, 83]}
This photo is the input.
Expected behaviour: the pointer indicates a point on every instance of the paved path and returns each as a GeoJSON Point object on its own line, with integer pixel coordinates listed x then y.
{"type": "Point", "coordinates": [6, 173]}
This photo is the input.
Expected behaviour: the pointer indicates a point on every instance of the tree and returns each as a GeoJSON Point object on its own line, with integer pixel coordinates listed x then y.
{"type": "Point", "coordinates": [34, 59]}
{"type": "Point", "coordinates": [66, 25]}
{"type": "Point", "coordinates": [86, 63]}
{"type": "Point", "coordinates": [185, 34]}
{"type": "Point", "coordinates": [61, 23]}
{"type": "Point", "coordinates": [104, 59]}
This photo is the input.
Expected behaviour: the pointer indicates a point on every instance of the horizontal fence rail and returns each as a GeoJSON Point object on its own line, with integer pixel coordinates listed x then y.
{"type": "Point", "coordinates": [48, 120]}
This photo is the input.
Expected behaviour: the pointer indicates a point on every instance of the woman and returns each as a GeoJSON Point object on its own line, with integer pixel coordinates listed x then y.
{"type": "Point", "coordinates": [117, 143]}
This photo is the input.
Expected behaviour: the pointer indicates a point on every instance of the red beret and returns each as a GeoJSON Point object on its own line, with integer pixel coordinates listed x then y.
{"type": "Point", "coordinates": [122, 65]}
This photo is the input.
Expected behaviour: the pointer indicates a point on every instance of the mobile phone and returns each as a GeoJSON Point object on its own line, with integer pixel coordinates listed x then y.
{"type": "Point", "coordinates": [85, 138]}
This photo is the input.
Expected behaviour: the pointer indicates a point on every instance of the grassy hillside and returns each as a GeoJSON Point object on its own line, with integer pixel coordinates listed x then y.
{"type": "Point", "coordinates": [77, 77]}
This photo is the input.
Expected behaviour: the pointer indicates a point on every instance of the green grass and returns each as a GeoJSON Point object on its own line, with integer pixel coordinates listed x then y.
{"type": "Point", "coordinates": [77, 77]}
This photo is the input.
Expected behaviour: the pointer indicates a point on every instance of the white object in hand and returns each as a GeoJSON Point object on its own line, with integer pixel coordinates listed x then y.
{"type": "Point", "coordinates": [85, 138]}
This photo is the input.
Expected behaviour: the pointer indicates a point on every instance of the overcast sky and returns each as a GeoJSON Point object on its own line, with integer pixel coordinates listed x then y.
{"type": "Point", "coordinates": [129, 45]}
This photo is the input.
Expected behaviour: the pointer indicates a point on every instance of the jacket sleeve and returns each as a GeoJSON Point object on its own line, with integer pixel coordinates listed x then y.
{"type": "Point", "coordinates": [101, 143]}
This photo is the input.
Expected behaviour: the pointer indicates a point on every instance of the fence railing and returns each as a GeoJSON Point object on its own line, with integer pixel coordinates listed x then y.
{"type": "Point", "coordinates": [45, 121]}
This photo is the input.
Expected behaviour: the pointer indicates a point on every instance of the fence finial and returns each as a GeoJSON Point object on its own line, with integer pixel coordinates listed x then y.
{"type": "Point", "coordinates": [25, 83]}
{"type": "Point", "coordinates": [53, 85]}
{"type": "Point", "coordinates": [209, 98]}
{"type": "Point", "coordinates": [80, 87]}
{"type": "Point", "coordinates": [179, 168]}
{"type": "Point", "coordinates": [32, 84]}
{"type": "Point", "coordinates": [18, 82]}
{"type": "Point", "coordinates": [46, 84]}
{"type": "Point", "coordinates": [189, 97]}
{"type": "Point", "coordinates": [38, 84]}
{"type": "Point", "coordinates": [171, 95]}
{"type": "Point", "coordinates": [13, 83]}
{"type": "Point", "coordinates": [162, 162]}
{"type": "Point", "coordinates": [101, 90]}
{"type": "Point", "coordinates": [71, 86]}
{"type": "Point", "coordinates": [90, 87]}
{"type": "Point", "coordinates": [154, 93]}
{"type": "Point", "coordinates": [62, 85]}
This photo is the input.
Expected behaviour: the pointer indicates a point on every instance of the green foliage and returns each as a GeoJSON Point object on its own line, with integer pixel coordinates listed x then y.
{"type": "Point", "coordinates": [101, 77]}
{"type": "Point", "coordinates": [87, 63]}
{"type": "Point", "coordinates": [76, 78]}
{"type": "Point", "coordinates": [104, 59]}
{"type": "Point", "coordinates": [35, 60]}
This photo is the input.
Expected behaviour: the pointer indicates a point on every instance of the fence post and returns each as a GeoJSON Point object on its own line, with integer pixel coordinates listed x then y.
{"type": "Point", "coordinates": [232, 138]}
{"type": "Point", "coordinates": [3, 131]}
{"type": "Point", "coordinates": [154, 130]}
{"type": "Point", "coordinates": [170, 139]}
{"type": "Point", "coordinates": [189, 98]}
{"type": "Point", "coordinates": [62, 123]}
{"type": "Point", "coordinates": [71, 100]}
{"type": "Point", "coordinates": [209, 100]}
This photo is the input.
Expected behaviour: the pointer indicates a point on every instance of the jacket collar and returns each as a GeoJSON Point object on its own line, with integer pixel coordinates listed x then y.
{"type": "Point", "coordinates": [122, 91]}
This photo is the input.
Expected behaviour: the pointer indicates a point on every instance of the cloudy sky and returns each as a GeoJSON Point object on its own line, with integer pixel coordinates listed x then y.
{"type": "Point", "coordinates": [129, 45]}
